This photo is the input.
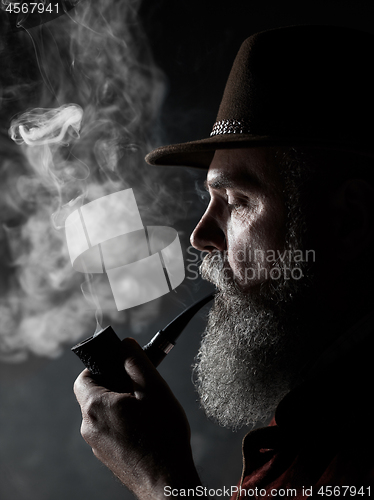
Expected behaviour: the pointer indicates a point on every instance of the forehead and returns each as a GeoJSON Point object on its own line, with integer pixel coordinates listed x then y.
{"type": "Point", "coordinates": [247, 167]}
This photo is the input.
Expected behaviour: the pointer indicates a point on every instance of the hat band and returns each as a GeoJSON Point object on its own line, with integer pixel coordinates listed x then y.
{"type": "Point", "coordinates": [230, 127]}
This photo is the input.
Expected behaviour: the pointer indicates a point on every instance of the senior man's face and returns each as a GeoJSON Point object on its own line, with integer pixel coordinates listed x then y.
{"type": "Point", "coordinates": [245, 220]}
{"type": "Point", "coordinates": [257, 338]}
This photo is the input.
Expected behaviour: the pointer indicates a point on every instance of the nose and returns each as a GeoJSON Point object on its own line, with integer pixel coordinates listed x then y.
{"type": "Point", "coordinates": [209, 235]}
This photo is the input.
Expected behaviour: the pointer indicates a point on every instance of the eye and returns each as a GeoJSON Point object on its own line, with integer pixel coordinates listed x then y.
{"type": "Point", "coordinates": [234, 206]}
{"type": "Point", "coordinates": [236, 203]}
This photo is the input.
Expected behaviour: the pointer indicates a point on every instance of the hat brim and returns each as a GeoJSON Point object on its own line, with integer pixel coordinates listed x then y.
{"type": "Point", "coordinates": [199, 154]}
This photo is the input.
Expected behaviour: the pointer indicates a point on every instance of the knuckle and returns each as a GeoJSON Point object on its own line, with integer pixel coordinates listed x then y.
{"type": "Point", "coordinates": [86, 431]}
{"type": "Point", "coordinates": [90, 433]}
{"type": "Point", "coordinates": [92, 423]}
{"type": "Point", "coordinates": [77, 386]}
{"type": "Point", "coordinates": [93, 406]}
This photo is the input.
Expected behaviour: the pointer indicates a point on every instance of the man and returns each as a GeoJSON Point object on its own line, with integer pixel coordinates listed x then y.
{"type": "Point", "coordinates": [289, 236]}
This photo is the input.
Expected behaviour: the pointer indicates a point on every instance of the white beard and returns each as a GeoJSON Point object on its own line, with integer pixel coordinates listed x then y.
{"type": "Point", "coordinates": [254, 346]}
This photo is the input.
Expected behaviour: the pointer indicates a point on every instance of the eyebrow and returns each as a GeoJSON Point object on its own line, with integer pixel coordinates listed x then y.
{"type": "Point", "coordinates": [227, 182]}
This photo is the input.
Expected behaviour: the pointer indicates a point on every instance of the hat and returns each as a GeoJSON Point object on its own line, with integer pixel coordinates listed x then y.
{"type": "Point", "coordinates": [298, 85]}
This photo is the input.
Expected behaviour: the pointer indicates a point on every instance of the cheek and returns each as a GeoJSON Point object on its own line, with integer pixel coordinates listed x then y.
{"type": "Point", "coordinates": [251, 243]}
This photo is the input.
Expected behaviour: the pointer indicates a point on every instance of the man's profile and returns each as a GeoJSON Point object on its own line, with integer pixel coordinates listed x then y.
{"type": "Point", "coordinates": [290, 236]}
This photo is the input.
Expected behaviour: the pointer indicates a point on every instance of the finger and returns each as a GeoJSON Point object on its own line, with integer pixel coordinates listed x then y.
{"type": "Point", "coordinates": [142, 372]}
{"type": "Point", "coordinates": [85, 387]}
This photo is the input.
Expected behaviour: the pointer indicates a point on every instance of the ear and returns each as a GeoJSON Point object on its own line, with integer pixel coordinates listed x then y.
{"type": "Point", "coordinates": [353, 218]}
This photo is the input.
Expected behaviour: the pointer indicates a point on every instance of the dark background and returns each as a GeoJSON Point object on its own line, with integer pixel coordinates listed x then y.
{"type": "Point", "coordinates": [42, 455]}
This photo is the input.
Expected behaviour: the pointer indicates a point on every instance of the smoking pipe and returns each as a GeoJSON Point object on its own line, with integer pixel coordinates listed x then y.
{"type": "Point", "coordinates": [102, 353]}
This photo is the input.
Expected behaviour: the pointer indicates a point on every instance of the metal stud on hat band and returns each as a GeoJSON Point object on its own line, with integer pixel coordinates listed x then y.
{"type": "Point", "coordinates": [230, 127]}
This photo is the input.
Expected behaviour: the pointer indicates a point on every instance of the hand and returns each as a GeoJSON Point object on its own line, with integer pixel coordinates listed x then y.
{"type": "Point", "coordinates": [143, 436]}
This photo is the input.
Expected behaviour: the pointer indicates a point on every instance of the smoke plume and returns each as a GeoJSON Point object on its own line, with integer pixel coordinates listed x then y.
{"type": "Point", "coordinates": [78, 101]}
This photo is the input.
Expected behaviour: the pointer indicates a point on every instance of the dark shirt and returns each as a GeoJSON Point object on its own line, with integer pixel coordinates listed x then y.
{"type": "Point", "coordinates": [321, 436]}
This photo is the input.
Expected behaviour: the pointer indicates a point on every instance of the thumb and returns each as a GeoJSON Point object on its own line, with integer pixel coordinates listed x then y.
{"type": "Point", "coordinates": [140, 369]}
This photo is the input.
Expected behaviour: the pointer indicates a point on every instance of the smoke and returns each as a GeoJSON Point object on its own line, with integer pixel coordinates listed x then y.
{"type": "Point", "coordinates": [80, 96]}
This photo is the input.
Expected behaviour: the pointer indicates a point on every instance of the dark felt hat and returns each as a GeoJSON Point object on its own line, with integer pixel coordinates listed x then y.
{"type": "Point", "coordinates": [299, 85]}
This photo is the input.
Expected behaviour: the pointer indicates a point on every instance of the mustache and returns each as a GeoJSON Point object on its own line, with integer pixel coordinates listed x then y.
{"type": "Point", "coordinates": [216, 269]}
{"type": "Point", "coordinates": [214, 266]}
